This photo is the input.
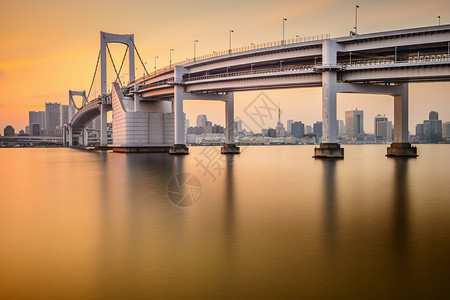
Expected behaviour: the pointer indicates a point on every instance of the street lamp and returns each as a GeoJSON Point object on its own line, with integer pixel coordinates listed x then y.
{"type": "Point", "coordinates": [195, 43]}
{"type": "Point", "coordinates": [231, 31]}
{"type": "Point", "coordinates": [439, 20]}
{"type": "Point", "coordinates": [297, 37]}
{"type": "Point", "coordinates": [284, 20]}
{"type": "Point", "coordinates": [356, 19]}
{"type": "Point", "coordinates": [155, 64]}
{"type": "Point", "coordinates": [170, 59]}
{"type": "Point", "coordinates": [253, 46]}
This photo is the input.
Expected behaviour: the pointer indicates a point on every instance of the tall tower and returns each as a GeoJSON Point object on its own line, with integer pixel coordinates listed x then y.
{"type": "Point", "coordinates": [280, 131]}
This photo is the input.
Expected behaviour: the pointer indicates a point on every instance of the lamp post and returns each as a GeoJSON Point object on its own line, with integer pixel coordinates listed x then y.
{"type": "Point", "coordinates": [170, 59]}
{"type": "Point", "coordinates": [155, 64]}
{"type": "Point", "coordinates": [231, 31]}
{"type": "Point", "coordinates": [195, 44]}
{"type": "Point", "coordinates": [439, 20]}
{"type": "Point", "coordinates": [284, 20]}
{"type": "Point", "coordinates": [356, 19]}
{"type": "Point", "coordinates": [297, 37]}
{"type": "Point", "coordinates": [253, 46]}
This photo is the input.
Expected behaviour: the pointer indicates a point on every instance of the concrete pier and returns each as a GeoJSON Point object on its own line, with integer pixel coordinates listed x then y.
{"type": "Point", "coordinates": [329, 150]}
{"type": "Point", "coordinates": [230, 149]}
{"type": "Point", "coordinates": [179, 149]}
{"type": "Point", "coordinates": [401, 150]}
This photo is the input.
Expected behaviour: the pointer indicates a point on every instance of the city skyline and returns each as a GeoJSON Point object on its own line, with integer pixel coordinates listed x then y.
{"type": "Point", "coordinates": [75, 52]}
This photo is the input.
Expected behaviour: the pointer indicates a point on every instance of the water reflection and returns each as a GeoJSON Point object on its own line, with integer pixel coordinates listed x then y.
{"type": "Point", "coordinates": [330, 206]}
{"type": "Point", "coordinates": [401, 227]}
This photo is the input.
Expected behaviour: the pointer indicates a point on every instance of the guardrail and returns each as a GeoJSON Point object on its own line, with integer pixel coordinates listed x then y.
{"type": "Point", "coordinates": [280, 43]}
{"type": "Point", "coordinates": [291, 68]}
{"type": "Point", "coordinates": [410, 60]}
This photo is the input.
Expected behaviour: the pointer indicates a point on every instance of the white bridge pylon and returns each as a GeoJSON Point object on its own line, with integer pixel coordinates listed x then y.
{"type": "Point", "coordinates": [108, 38]}
{"type": "Point", "coordinates": [105, 39]}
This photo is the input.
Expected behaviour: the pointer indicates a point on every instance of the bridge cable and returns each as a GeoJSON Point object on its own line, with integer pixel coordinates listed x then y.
{"type": "Point", "coordinates": [123, 60]}
{"type": "Point", "coordinates": [95, 73]}
{"type": "Point", "coordinates": [137, 52]}
{"type": "Point", "coordinates": [115, 70]}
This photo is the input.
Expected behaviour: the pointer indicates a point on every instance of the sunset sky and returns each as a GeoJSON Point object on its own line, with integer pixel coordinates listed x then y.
{"type": "Point", "coordinates": [49, 47]}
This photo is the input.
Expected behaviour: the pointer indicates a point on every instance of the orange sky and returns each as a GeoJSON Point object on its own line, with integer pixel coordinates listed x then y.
{"type": "Point", "coordinates": [49, 47]}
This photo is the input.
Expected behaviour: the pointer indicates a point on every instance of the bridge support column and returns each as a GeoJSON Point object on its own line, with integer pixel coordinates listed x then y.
{"type": "Point", "coordinates": [229, 147]}
{"type": "Point", "coordinates": [401, 147]}
{"type": "Point", "coordinates": [179, 146]}
{"type": "Point", "coordinates": [103, 127]}
{"type": "Point", "coordinates": [85, 137]}
{"type": "Point", "coordinates": [70, 137]}
{"type": "Point", "coordinates": [329, 148]}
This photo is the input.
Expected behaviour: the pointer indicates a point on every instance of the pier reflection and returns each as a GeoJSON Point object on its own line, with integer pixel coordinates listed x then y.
{"type": "Point", "coordinates": [330, 206]}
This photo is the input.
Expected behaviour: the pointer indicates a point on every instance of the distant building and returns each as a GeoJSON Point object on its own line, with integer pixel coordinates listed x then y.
{"type": "Point", "coordinates": [354, 123]}
{"type": "Point", "coordinates": [433, 115]}
{"type": "Point", "coordinates": [237, 126]}
{"type": "Point", "coordinates": [36, 129]}
{"type": "Point", "coordinates": [384, 130]}
{"type": "Point", "coordinates": [298, 129]}
{"type": "Point", "coordinates": [289, 123]}
{"type": "Point", "coordinates": [308, 129]}
{"type": "Point", "coordinates": [419, 132]}
{"type": "Point", "coordinates": [271, 132]}
{"type": "Point", "coordinates": [317, 129]}
{"type": "Point", "coordinates": [27, 130]}
{"type": "Point", "coordinates": [446, 131]}
{"type": "Point", "coordinates": [218, 129]}
{"type": "Point", "coordinates": [432, 128]}
{"type": "Point", "coordinates": [201, 120]}
{"type": "Point", "coordinates": [52, 117]}
{"type": "Point", "coordinates": [208, 127]}
{"type": "Point", "coordinates": [378, 118]}
{"type": "Point", "coordinates": [9, 131]}
{"type": "Point", "coordinates": [64, 115]}
{"type": "Point", "coordinates": [36, 117]}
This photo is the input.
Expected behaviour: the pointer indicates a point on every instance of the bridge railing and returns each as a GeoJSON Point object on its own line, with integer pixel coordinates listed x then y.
{"type": "Point", "coordinates": [409, 60]}
{"type": "Point", "coordinates": [279, 43]}
{"type": "Point", "coordinates": [289, 68]}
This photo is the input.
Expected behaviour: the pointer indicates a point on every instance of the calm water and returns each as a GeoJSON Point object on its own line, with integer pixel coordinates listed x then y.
{"type": "Point", "coordinates": [269, 223]}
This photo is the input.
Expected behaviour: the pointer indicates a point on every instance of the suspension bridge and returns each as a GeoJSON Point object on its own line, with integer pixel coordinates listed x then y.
{"type": "Point", "coordinates": [148, 111]}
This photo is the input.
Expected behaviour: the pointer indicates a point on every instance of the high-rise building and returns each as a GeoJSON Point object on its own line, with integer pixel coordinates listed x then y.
{"type": "Point", "coordinates": [354, 123]}
{"type": "Point", "coordinates": [384, 130]}
{"type": "Point", "coordinates": [433, 115]}
{"type": "Point", "coordinates": [237, 126]}
{"type": "Point", "coordinates": [308, 129]}
{"type": "Point", "coordinates": [36, 117]}
{"type": "Point", "coordinates": [201, 120]}
{"type": "Point", "coordinates": [297, 129]}
{"type": "Point", "coordinates": [446, 130]}
{"type": "Point", "coordinates": [208, 127]}
{"type": "Point", "coordinates": [52, 117]}
{"type": "Point", "coordinates": [378, 118]}
{"type": "Point", "coordinates": [317, 129]}
{"type": "Point", "coordinates": [9, 131]}
{"type": "Point", "coordinates": [36, 129]}
{"type": "Point", "coordinates": [419, 132]}
{"type": "Point", "coordinates": [289, 123]}
{"type": "Point", "coordinates": [432, 128]}
{"type": "Point", "coordinates": [64, 115]}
